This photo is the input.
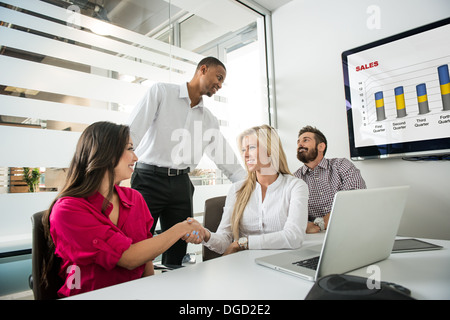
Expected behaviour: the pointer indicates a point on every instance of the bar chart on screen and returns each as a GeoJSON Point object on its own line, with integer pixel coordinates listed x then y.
{"type": "Point", "coordinates": [405, 92]}
{"type": "Point", "coordinates": [397, 94]}
{"type": "Point", "coordinates": [400, 91]}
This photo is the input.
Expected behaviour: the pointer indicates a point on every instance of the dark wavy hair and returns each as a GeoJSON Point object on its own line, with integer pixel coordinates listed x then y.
{"type": "Point", "coordinates": [98, 152]}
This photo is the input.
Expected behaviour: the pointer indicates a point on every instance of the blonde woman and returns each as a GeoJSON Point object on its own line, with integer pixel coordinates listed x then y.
{"type": "Point", "coordinates": [269, 209]}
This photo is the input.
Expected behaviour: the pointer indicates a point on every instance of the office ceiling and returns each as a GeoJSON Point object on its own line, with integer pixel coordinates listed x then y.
{"type": "Point", "coordinates": [136, 14]}
{"type": "Point", "coordinates": [272, 5]}
{"type": "Point", "coordinates": [152, 17]}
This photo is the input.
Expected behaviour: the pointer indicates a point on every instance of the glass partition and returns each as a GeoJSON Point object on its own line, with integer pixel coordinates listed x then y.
{"type": "Point", "coordinates": [68, 64]}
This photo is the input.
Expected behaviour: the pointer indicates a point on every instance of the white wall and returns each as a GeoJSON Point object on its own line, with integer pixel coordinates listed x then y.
{"type": "Point", "coordinates": [309, 37]}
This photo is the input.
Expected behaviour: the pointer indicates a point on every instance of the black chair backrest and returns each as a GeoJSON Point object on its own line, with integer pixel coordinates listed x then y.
{"type": "Point", "coordinates": [39, 251]}
{"type": "Point", "coordinates": [211, 220]}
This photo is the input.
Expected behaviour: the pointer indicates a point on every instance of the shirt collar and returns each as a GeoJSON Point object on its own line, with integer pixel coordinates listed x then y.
{"type": "Point", "coordinates": [126, 201]}
{"type": "Point", "coordinates": [322, 164]}
{"type": "Point", "coordinates": [97, 198]}
{"type": "Point", "coordinates": [274, 184]}
{"type": "Point", "coordinates": [184, 94]}
{"type": "Point", "coordinates": [277, 182]}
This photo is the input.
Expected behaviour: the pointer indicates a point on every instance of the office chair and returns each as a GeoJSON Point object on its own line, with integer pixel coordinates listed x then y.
{"type": "Point", "coordinates": [211, 220]}
{"type": "Point", "coordinates": [39, 250]}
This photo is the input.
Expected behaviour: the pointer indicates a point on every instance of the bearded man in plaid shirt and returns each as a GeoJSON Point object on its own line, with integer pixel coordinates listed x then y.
{"type": "Point", "coordinates": [324, 176]}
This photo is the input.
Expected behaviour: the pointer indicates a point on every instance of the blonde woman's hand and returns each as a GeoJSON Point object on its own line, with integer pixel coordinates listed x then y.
{"type": "Point", "coordinates": [232, 248]}
{"type": "Point", "coordinates": [197, 233]}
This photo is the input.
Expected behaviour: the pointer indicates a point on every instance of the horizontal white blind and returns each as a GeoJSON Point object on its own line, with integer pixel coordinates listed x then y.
{"type": "Point", "coordinates": [29, 108]}
{"type": "Point", "coordinates": [61, 50]}
{"type": "Point", "coordinates": [27, 147]}
{"type": "Point", "coordinates": [62, 81]}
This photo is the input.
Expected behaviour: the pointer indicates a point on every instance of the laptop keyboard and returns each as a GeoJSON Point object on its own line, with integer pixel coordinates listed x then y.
{"type": "Point", "coordinates": [308, 263]}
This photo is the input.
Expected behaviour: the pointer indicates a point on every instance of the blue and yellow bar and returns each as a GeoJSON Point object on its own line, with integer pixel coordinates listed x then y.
{"type": "Point", "coordinates": [400, 102]}
{"type": "Point", "coordinates": [444, 82]}
{"type": "Point", "coordinates": [379, 104]}
{"type": "Point", "coordinates": [422, 98]}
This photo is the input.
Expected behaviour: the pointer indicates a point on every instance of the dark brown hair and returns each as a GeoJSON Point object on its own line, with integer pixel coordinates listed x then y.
{"type": "Point", "coordinates": [98, 152]}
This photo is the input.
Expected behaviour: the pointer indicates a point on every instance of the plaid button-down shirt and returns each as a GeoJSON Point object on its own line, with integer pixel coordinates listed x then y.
{"type": "Point", "coordinates": [329, 177]}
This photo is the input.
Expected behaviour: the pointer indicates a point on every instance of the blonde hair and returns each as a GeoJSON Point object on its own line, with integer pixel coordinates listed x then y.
{"type": "Point", "coordinates": [269, 140]}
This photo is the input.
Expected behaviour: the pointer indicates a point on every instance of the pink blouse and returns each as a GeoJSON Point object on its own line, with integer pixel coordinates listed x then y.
{"type": "Point", "coordinates": [90, 245]}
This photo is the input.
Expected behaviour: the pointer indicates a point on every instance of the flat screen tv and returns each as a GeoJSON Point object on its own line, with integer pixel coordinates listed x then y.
{"type": "Point", "coordinates": [397, 94]}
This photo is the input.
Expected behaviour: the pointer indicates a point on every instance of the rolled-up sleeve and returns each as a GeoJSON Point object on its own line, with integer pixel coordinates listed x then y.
{"type": "Point", "coordinates": [82, 237]}
{"type": "Point", "coordinates": [223, 237]}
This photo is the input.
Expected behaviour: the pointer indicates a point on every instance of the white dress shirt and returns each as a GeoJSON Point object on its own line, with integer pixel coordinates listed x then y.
{"type": "Point", "coordinates": [167, 132]}
{"type": "Point", "coordinates": [278, 222]}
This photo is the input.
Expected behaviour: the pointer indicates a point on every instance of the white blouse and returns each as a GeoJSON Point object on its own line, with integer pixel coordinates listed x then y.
{"type": "Point", "coordinates": [278, 222]}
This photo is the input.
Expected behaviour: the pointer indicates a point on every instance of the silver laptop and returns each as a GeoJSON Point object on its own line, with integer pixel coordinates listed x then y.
{"type": "Point", "coordinates": [361, 231]}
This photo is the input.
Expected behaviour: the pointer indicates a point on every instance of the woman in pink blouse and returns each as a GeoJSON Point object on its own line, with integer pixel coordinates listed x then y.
{"type": "Point", "coordinates": [100, 230]}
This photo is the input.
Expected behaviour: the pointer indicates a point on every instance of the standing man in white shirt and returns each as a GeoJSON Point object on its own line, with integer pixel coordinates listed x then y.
{"type": "Point", "coordinates": [172, 129]}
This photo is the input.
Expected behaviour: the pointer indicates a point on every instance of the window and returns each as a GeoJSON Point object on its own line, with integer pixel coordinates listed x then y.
{"type": "Point", "coordinates": [66, 65]}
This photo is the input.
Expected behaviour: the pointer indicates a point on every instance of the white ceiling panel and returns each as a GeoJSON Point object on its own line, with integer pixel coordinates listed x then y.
{"type": "Point", "coordinates": [218, 12]}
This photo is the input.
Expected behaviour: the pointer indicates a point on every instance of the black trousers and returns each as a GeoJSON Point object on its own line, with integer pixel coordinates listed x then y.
{"type": "Point", "coordinates": [169, 199]}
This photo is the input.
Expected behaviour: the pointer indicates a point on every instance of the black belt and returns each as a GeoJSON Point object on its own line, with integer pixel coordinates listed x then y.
{"type": "Point", "coordinates": [162, 170]}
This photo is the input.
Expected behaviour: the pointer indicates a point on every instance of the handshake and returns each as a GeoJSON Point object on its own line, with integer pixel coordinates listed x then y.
{"type": "Point", "coordinates": [193, 231]}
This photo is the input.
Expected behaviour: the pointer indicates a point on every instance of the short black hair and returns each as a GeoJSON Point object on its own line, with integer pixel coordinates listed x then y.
{"type": "Point", "coordinates": [210, 61]}
{"type": "Point", "coordinates": [318, 136]}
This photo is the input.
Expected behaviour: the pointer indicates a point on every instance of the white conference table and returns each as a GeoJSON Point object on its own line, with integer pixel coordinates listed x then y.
{"type": "Point", "coordinates": [238, 277]}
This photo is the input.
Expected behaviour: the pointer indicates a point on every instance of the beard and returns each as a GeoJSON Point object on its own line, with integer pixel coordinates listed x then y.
{"type": "Point", "coordinates": [308, 155]}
